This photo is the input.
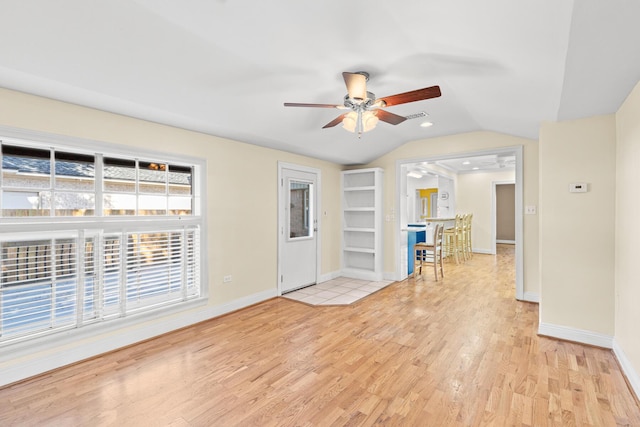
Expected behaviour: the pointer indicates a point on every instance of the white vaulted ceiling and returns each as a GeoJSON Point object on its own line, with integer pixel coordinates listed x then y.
{"type": "Point", "coordinates": [226, 67]}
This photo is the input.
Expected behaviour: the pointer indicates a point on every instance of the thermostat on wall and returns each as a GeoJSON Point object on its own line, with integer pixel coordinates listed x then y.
{"type": "Point", "coordinates": [578, 187]}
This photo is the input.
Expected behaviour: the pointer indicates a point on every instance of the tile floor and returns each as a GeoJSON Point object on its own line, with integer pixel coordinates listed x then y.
{"type": "Point", "coordinates": [339, 291]}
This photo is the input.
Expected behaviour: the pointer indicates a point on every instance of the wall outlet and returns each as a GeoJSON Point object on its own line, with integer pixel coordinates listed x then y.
{"type": "Point", "coordinates": [530, 210]}
{"type": "Point", "coordinates": [578, 187]}
{"type": "Point", "coordinates": [226, 279]}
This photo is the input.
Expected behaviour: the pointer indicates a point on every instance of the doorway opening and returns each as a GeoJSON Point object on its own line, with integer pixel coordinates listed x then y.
{"type": "Point", "coordinates": [443, 166]}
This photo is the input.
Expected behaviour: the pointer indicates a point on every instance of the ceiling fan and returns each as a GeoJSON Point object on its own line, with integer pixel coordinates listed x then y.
{"type": "Point", "coordinates": [366, 110]}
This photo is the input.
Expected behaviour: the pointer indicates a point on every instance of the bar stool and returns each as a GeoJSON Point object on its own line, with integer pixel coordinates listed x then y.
{"type": "Point", "coordinates": [468, 247]}
{"type": "Point", "coordinates": [453, 240]}
{"type": "Point", "coordinates": [426, 253]}
{"type": "Point", "coordinates": [464, 236]}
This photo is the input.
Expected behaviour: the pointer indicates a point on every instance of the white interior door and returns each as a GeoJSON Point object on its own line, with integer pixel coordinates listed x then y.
{"type": "Point", "coordinates": [298, 229]}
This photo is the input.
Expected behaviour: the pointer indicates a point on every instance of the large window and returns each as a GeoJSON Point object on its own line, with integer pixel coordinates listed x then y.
{"type": "Point", "coordinates": [90, 237]}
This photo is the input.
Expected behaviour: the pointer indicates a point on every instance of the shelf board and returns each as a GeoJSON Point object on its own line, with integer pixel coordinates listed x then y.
{"type": "Point", "coordinates": [361, 209]}
{"type": "Point", "coordinates": [360, 230]}
{"type": "Point", "coordinates": [362, 250]}
{"type": "Point", "coordinates": [368, 188]}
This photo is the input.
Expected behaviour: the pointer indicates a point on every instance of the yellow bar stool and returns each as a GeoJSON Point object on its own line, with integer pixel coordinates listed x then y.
{"type": "Point", "coordinates": [453, 240]}
{"type": "Point", "coordinates": [468, 247]}
{"type": "Point", "coordinates": [464, 248]}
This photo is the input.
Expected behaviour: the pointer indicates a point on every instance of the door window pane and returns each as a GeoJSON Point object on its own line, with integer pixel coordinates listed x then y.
{"type": "Point", "coordinates": [300, 221]}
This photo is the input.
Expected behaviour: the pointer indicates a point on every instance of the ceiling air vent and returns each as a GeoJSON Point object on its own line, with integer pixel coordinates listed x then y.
{"type": "Point", "coordinates": [416, 115]}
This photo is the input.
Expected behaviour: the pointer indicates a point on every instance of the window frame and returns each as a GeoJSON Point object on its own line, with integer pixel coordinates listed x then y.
{"type": "Point", "coordinates": [21, 227]}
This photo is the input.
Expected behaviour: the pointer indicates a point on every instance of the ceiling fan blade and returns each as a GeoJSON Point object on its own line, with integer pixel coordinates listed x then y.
{"type": "Point", "coordinates": [388, 117]}
{"type": "Point", "coordinates": [356, 85]}
{"type": "Point", "coordinates": [414, 95]}
{"type": "Point", "coordinates": [335, 121]}
{"type": "Point", "coordinates": [296, 104]}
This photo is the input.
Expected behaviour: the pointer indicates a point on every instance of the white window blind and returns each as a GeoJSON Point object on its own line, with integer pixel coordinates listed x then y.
{"type": "Point", "coordinates": [37, 289]}
{"type": "Point", "coordinates": [66, 282]}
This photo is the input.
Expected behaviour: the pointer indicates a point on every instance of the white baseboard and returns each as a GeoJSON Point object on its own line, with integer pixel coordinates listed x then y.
{"type": "Point", "coordinates": [506, 242]}
{"type": "Point", "coordinates": [62, 355]}
{"type": "Point", "coordinates": [531, 297]}
{"type": "Point", "coordinates": [482, 251]}
{"type": "Point", "coordinates": [355, 273]}
{"type": "Point", "coordinates": [576, 335]}
{"type": "Point", "coordinates": [328, 276]}
{"type": "Point", "coordinates": [390, 276]}
{"type": "Point", "coordinates": [627, 368]}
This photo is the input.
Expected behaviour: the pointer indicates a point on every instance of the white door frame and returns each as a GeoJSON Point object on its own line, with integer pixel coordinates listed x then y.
{"type": "Point", "coordinates": [517, 150]}
{"type": "Point", "coordinates": [282, 217]}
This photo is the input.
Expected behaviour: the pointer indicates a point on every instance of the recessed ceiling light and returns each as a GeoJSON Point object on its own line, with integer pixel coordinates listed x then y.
{"type": "Point", "coordinates": [466, 162]}
{"type": "Point", "coordinates": [475, 169]}
{"type": "Point", "coordinates": [426, 124]}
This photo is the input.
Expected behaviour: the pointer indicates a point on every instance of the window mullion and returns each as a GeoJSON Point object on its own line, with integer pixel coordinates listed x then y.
{"type": "Point", "coordinates": [55, 257]}
{"type": "Point", "coordinates": [184, 259]}
{"type": "Point", "coordinates": [98, 275]}
{"type": "Point", "coordinates": [137, 188]}
{"type": "Point", "coordinates": [166, 189]}
{"type": "Point", "coordinates": [98, 185]}
{"type": "Point", "coordinates": [194, 189]}
{"type": "Point", "coordinates": [52, 182]}
{"type": "Point", "coordinates": [124, 260]}
{"type": "Point", "coordinates": [81, 247]}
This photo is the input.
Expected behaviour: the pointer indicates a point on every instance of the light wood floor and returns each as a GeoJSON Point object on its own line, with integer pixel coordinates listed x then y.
{"type": "Point", "coordinates": [418, 353]}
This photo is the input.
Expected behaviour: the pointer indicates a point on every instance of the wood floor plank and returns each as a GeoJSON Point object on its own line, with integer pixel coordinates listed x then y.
{"type": "Point", "coordinates": [457, 352]}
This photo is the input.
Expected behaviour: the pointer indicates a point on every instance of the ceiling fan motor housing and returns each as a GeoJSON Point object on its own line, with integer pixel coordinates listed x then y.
{"type": "Point", "coordinates": [359, 104]}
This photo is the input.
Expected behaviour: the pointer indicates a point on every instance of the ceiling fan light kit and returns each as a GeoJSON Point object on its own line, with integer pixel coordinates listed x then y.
{"type": "Point", "coordinates": [360, 121]}
{"type": "Point", "coordinates": [366, 110]}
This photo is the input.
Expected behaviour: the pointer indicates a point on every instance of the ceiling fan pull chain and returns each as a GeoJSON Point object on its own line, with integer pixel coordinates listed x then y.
{"type": "Point", "coordinates": [359, 125]}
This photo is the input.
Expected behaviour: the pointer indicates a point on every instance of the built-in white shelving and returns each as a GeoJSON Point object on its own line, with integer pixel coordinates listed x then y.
{"type": "Point", "coordinates": [362, 223]}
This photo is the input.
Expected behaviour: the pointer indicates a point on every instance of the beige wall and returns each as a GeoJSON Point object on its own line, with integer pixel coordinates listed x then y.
{"type": "Point", "coordinates": [474, 194]}
{"type": "Point", "coordinates": [241, 196]}
{"type": "Point", "coordinates": [627, 267]}
{"type": "Point", "coordinates": [577, 229]}
{"type": "Point", "coordinates": [461, 144]}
